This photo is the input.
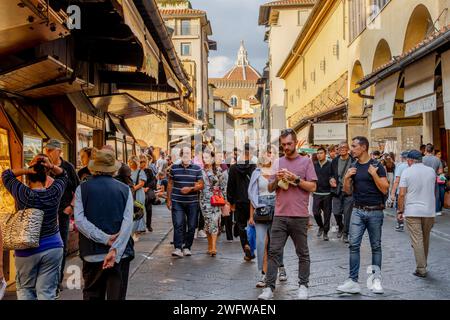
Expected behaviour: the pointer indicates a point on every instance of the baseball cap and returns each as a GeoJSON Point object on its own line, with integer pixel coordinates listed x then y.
{"type": "Point", "coordinates": [415, 155]}
{"type": "Point", "coordinates": [53, 144]}
{"type": "Point", "coordinates": [404, 154]}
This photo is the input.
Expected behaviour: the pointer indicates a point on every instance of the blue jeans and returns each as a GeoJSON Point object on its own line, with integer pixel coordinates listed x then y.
{"type": "Point", "coordinates": [181, 212]}
{"type": "Point", "coordinates": [37, 276]}
{"type": "Point", "coordinates": [360, 221]}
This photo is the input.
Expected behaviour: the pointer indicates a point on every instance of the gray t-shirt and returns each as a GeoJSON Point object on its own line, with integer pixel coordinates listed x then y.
{"type": "Point", "coordinates": [343, 166]}
{"type": "Point", "coordinates": [433, 162]}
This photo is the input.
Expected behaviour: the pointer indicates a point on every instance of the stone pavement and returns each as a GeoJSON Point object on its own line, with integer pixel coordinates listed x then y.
{"type": "Point", "coordinates": [156, 275]}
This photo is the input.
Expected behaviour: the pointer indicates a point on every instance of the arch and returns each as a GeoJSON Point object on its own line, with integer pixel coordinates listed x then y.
{"type": "Point", "coordinates": [233, 101]}
{"type": "Point", "coordinates": [419, 24]}
{"type": "Point", "coordinates": [382, 54]}
{"type": "Point", "coordinates": [355, 107]}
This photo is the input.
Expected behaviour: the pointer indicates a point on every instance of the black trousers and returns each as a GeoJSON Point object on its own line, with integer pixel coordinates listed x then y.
{"type": "Point", "coordinates": [201, 220]}
{"type": "Point", "coordinates": [228, 223]}
{"type": "Point", "coordinates": [242, 214]}
{"type": "Point", "coordinates": [64, 225]}
{"type": "Point", "coordinates": [149, 208]}
{"type": "Point", "coordinates": [109, 284]}
{"type": "Point", "coordinates": [322, 203]}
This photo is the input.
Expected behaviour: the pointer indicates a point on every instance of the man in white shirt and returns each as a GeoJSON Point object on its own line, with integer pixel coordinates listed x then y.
{"type": "Point", "coordinates": [416, 204]}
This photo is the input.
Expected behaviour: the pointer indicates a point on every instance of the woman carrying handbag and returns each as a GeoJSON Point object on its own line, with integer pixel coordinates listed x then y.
{"type": "Point", "coordinates": [38, 266]}
{"type": "Point", "coordinates": [212, 199]}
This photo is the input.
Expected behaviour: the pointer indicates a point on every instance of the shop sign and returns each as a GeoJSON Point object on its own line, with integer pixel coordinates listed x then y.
{"type": "Point", "coordinates": [422, 105]}
{"type": "Point", "coordinates": [329, 133]}
{"type": "Point", "coordinates": [383, 106]}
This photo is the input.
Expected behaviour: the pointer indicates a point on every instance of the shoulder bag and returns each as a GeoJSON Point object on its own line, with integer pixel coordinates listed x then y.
{"type": "Point", "coordinates": [22, 229]}
{"type": "Point", "coordinates": [264, 214]}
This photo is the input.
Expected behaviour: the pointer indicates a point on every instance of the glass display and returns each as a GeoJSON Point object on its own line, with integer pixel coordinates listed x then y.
{"type": "Point", "coordinates": [120, 151]}
{"type": "Point", "coordinates": [129, 150]}
{"type": "Point", "coordinates": [32, 146]}
{"type": "Point", "coordinates": [6, 200]}
{"type": "Point", "coordinates": [84, 140]}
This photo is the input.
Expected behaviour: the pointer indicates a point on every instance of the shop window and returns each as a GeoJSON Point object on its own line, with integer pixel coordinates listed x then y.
{"type": "Point", "coordinates": [7, 203]}
{"type": "Point", "coordinates": [120, 151]}
{"type": "Point", "coordinates": [84, 139]}
{"type": "Point", "coordinates": [32, 146]}
{"type": "Point", "coordinates": [129, 150]}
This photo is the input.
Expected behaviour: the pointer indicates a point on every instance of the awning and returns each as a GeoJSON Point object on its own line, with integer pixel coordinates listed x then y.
{"type": "Point", "coordinates": [119, 126]}
{"type": "Point", "coordinates": [383, 106]}
{"type": "Point", "coordinates": [122, 105]}
{"type": "Point", "coordinates": [420, 96]}
{"type": "Point", "coordinates": [445, 63]}
{"type": "Point", "coordinates": [183, 115]}
{"type": "Point", "coordinates": [303, 136]}
{"type": "Point", "coordinates": [43, 77]}
{"type": "Point", "coordinates": [330, 132]}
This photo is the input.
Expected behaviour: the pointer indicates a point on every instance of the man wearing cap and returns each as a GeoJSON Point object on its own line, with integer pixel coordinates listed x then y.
{"type": "Point", "coordinates": [394, 191]}
{"type": "Point", "coordinates": [104, 217]}
{"type": "Point", "coordinates": [53, 150]}
{"type": "Point", "coordinates": [416, 206]}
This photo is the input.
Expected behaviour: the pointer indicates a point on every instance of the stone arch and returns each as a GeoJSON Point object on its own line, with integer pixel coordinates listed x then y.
{"type": "Point", "coordinates": [419, 25]}
{"type": "Point", "coordinates": [355, 107]}
{"type": "Point", "coordinates": [382, 54]}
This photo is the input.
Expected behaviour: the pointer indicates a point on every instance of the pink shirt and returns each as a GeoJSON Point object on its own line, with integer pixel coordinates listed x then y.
{"type": "Point", "coordinates": [294, 201]}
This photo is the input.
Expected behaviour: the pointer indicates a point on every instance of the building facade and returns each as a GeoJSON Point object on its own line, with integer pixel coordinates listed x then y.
{"type": "Point", "coordinates": [283, 21]}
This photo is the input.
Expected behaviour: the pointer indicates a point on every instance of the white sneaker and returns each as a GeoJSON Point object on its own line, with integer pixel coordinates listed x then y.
{"type": "Point", "coordinates": [282, 274]}
{"type": "Point", "coordinates": [302, 293]}
{"type": "Point", "coordinates": [439, 213]}
{"type": "Point", "coordinates": [349, 286]}
{"type": "Point", "coordinates": [376, 286]}
{"type": "Point", "coordinates": [262, 282]}
{"type": "Point", "coordinates": [201, 234]}
{"type": "Point", "coordinates": [267, 294]}
{"type": "Point", "coordinates": [187, 252]}
{"type": "Point", "coordinates": [2, 288]}
{"type": "Point", "coordinates": [177, 253]}
{"type": "Point", "coordinates": [135, 238]}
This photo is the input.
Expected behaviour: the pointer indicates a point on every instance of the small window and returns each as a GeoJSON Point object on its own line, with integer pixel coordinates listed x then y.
{"type": "Point", "coordinates": [233, 101]}
{"type": "Point", "coordinates": [185, 27]}
{"type": "Point", "coordinates": [302, 17]}
{"type": "Point", "coordinates": [185, 49]}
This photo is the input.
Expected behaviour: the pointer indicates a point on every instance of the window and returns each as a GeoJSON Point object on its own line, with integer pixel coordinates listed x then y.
{"type": "Point", "coordinates": [233, 101]}
{"type": "Point", "coordinates": [302, 17]}
{"type": "Point", "coordinates": [376, 6]}
{"type": "Point", "coordinates": [357, 10]}
{"type": "Point", "coordinates": [185, 49]}
{"type": "Point", "coordinates": [186, 27]}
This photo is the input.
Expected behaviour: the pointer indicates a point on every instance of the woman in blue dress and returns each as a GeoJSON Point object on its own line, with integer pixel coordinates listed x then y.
{"type": "Point", "coordinates": [139, 178]}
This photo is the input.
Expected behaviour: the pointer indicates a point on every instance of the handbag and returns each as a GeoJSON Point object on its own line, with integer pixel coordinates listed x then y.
{"type": "Point", "coordinates": [217, 200]}
{"type": "Point", "coordinates": [441, 179]}
{"type": "Point", "coordinates": [264, 214]}
{"type": "Point", "coordinates": [22, 229]}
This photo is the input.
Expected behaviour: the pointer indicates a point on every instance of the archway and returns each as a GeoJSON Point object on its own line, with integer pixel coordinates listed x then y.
{"type": "Point", "coordinates": [382, 54]}
{"type": "Point", "coordinates": [355, 107]}
{"type": "Point", "coordinates": [419, 25]}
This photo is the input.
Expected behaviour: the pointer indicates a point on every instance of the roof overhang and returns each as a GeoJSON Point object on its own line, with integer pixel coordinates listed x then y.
{"type": "Point", "coordinates": [43, 77]}
{"type": "Point", "coordinates": [23, 25]}
{"type": "Point", "coordinates": [265, 10]}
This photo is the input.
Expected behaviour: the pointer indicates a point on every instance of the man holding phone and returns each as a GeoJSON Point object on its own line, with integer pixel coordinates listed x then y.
{"type": "Point", "coordinates": [293, 179]}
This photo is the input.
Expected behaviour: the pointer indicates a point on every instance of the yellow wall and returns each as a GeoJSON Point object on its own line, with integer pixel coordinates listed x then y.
{"type": "Point", "coordinates": [320, 47]}
{"type": "Point", "coordinates": [151, 129]}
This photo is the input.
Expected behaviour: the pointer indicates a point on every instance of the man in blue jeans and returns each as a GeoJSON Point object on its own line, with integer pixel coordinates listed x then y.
{"type": "Point", "coordinates": [185, 183]}
{"type": "Point", "coordinates": [366, 179]}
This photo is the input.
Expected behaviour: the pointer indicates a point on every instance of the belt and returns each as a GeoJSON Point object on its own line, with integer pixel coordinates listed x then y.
{"type": "Point", "coordinates": [370, 208]}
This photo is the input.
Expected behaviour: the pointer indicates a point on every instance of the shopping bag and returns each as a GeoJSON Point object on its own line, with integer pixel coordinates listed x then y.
{"type": "Point", "coordinates": [251, 236]}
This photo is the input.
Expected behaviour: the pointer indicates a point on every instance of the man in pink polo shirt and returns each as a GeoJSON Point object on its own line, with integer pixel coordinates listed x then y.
{"type": "Point", "coordinates": [294, 178]}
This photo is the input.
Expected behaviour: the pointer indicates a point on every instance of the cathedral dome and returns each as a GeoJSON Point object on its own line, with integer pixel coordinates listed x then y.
{"type": "Point", "coordinates": [242, 70]}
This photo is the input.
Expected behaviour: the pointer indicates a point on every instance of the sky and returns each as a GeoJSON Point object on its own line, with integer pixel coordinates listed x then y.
{"type": "Point", "coordinates": [233, 21]}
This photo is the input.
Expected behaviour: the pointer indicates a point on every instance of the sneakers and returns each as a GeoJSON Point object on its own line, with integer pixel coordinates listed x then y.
{"type": "Point", "coordinates": [187, 252]}
{"type": "Point", "coordinates": [349, 286]}
{"type": "Point", "coordinates": [262, 282]}
{"type": "Point", "coordinates": [201, 234]}
{"type": "Point", "coordinates": [399, 227]}
{"type": "Point", "coordinates": [319, 233]}
{"type": "Point", "coordinates": [2, 288]}
{"type": "Point", "coordinates": [438, 213]}
{"type": "Point", "coordinates": [248, 253]}
{"type": "Point", "coordinates": [325, 237]}
{"type": "Point", "coordinates": [135, 237]}
{"type": "Point", "coordinates": [339, 234]}
{"type": "Point", "coordinates": [345, 238]}
{"type": "Point", "coordinates": [302, 293]}
{"type": "Point", "coordinates": [267, 294]}
{"type": "Point", "coordinates": [416, 273]}
{"type": "Point", "coordinates": [282, 274]}
{"type": "Point", "coordinates": [376, 286]}
{"type": "Point", "coordinates": [177, 253]}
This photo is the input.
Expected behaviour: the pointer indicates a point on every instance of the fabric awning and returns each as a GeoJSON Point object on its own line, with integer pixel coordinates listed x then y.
{"type": "Point", "coordinates": [420, 96]}
{"type": "Point", "coordinates": [303, 136]}
{"type": "Point", "coordinates": [383, 106]}
{"type": "Point", "coordinates": [118, 125]}
{"type": "Point", "coordinates": [122, 104]}
{"type": "Point", "coordinates": [183, 115]}
{"type": "Point", "coordinates": [445, 62]}
{"type": "Point", "coordinates": [330, 133]}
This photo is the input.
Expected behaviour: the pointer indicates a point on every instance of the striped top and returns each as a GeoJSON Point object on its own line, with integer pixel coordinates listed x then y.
{"type": "Point", "coordinates": [184, 177]}
{"type": "Point", "coordinates": [46, 200]}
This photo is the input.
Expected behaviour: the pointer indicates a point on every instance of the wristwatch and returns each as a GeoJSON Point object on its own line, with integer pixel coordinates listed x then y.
{"type": "Point", "coordinates": [297, 180]}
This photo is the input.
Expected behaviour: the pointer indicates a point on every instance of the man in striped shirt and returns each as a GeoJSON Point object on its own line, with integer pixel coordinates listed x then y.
{"type": "Point", "coordinates": [185, 183]}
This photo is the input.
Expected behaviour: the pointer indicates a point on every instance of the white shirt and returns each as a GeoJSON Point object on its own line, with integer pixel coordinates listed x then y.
{"type": "Point", "coordinates": [420, 199]}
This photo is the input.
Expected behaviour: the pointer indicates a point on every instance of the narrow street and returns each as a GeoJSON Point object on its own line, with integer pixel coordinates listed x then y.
{"type": "Point", "coordinates": [157, 275]}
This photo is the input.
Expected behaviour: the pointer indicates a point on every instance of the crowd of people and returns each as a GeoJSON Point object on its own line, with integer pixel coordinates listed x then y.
{"type": "Point", "coordinates": [262, 200]}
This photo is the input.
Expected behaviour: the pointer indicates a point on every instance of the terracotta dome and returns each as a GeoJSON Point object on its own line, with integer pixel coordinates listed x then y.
{"type": "Point", "coordinates": [242, 70]}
